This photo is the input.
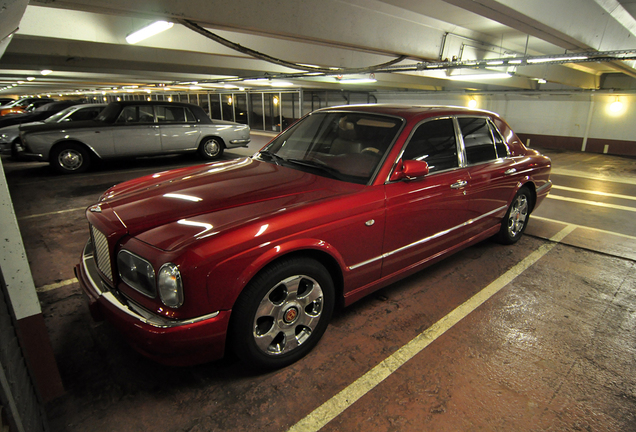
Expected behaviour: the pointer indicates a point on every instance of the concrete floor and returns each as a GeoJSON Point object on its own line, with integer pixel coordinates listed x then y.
{"type": "Point", "coordinates": [531, 337]}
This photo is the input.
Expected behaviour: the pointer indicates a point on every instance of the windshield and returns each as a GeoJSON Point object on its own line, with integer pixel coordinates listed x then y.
{"type": "Point", "coordinates": [342, 145]}
{"type": "Point", "coordinates": [59, 115]}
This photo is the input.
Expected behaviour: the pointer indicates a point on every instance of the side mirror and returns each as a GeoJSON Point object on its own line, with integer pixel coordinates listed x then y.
{"type": "Point", "coordinates": [409, 170]}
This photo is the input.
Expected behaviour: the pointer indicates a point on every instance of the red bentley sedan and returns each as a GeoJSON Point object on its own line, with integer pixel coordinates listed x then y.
{"type": "Point", "coordinates": [253, 254]}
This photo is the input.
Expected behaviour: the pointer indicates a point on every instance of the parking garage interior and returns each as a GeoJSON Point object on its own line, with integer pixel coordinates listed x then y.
{"type": "Point", "coordinates": [530, 338]}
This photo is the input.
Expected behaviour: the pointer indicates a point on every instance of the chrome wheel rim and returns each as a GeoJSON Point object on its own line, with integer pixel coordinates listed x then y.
{"type": "Point", "coordinates": [287, 315]}
{"type": "Point", "coordinates": [518, 215]}
{"type": "Point", "coordinates": [211, 148]}
{"type": "Point", "coordinates": [70, 159]}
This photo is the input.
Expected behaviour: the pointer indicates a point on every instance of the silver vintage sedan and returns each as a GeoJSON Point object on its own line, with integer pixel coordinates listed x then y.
{"type": "Point", "coordinates": [131, 129]}
{"type": "Point", "coordinates": [10, 136]}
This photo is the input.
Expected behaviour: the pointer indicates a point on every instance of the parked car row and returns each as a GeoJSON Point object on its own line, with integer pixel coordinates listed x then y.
{"type": "Point", "coordinates": [10, 142]}
{"type": "Point", "coordinates": [21, 105]}
{"type": "Point", "coordinates": [75, 138]}
{"type": "Point", "coordinates": [253, 254]}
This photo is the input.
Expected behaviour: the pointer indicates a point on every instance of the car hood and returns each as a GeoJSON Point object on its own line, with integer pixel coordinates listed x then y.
{"type": "Point", "coordinates": [46, 127]}
{"type": "Point", "coordinates": [170, 209]}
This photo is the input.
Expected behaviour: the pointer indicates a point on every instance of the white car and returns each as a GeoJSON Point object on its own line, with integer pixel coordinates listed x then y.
{"type": "Point", "coordinates": [10, 136]}
{"type": "Point", "coordinates": [132, 129]}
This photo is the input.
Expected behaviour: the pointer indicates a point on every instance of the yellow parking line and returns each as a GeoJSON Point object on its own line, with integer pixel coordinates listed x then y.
{"type": "Point", "coordinates": [49, 287]}
{"type": "Point", "coordinates": [51, 213]}
{"type": "Point", "coordinates": [594, 203]}
{"type": "Point", "coordinates": [347, 397]}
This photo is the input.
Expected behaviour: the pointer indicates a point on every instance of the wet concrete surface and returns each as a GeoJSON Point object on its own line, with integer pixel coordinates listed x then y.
{"type": "Point", "coordinates": [555, 349]}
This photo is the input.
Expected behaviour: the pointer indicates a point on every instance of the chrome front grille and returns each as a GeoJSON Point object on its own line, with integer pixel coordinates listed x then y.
{"type": "Point", "coordinates": [102, 254]}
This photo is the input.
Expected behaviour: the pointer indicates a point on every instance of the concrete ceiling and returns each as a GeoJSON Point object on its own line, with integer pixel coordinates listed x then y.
{"type": "Point", "coordinates": [83, 43]}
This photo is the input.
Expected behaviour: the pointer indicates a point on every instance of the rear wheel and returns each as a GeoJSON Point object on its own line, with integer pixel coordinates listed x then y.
{"type": "Point", "coordinates": [516, 219]}
{"type": "Point", "coordinates": [211, 148]}
{"type": "Point", "coordinates": [16, 149]}
{"type": "Point", "coordinates": [69, 158]}
{"type": "Point", "coordinates": [282, 313]}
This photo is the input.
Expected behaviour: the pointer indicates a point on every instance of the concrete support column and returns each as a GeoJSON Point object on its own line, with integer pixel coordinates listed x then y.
{"type": "Point", "coordinates": [23, 302]}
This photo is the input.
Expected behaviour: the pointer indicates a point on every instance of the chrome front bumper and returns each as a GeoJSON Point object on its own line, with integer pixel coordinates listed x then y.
{"type": "Point", "coordinates": [97, 290]}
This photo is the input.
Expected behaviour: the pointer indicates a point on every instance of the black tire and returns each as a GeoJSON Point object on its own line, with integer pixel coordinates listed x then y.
{"type": "Point", "coordinates": [516, 220]}
{"type": "Point", "coordinates": [282, 313]}
{"type": "Point", "coordinates": [16, 149]}
{"type": "Point", "coordinates": [211, 148]}
{"type": "Point", "coordinates": [70, 158]}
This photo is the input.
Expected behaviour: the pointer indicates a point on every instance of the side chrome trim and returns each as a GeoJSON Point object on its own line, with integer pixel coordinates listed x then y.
{"type": "Point", "coordinates": [547, 184]}
{"type": "Point", "coordinates": [427, 239]}
{"type": "Point", "coordinates": [133, 310]}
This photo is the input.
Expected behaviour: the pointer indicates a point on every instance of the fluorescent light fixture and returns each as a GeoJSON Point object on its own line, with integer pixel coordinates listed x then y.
{"type": "Point", "coordinates": [281, 84]}
{"type": "Point", "coordinates": [517, 61]}
{"type": "Point", "coordinates": [357, 80]}
{"type": "Point", "coordinates": [46, 71]}
{"type": "Point", "coordinates": [480, 76]}
{"type": "Point", "coordinates": [555, 59]}
{"type": "Point", "coordinates": [495, 62]}
{"type": "Point", "coordinates": [150, 30]}
{"type": "Point", "coordinates": [30, 78]}
{"type": "Point", "coordinates": [541, 81]}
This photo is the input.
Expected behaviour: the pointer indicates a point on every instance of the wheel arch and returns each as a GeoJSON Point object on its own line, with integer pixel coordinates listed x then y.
{"type": "Point", "coordinates": [533, 193]}
{"type": "Point", "coordinates": [93, 154]}
{"type": "Point", "coordinates": [208, 136]}
{"type": "Point", "coordinates": [316, 250]}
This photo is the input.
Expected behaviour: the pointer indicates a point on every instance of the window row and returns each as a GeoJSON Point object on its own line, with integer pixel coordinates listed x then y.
{"type": "Point", "coordinates": [438, 142]}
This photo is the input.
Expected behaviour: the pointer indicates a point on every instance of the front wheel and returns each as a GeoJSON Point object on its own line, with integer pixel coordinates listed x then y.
{"type": "Point", "coordinates": [70, 158]}
{"type": "Point", "coordinates": [282, 313]}
{"type": "Point", "coordinates": [516, 219]}
{"type": "Point", "coordinates": [211, 148]}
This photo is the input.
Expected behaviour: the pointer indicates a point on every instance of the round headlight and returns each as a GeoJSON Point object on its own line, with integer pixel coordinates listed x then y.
{"type": "Point", "coordinates": [170, 286]}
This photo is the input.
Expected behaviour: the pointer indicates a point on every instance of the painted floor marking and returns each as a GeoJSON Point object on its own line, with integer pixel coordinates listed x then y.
{"type": "Point", "coordinates": [594, 203]}
{"type": "Point", "coordinates": [588, 176]}
{"type": "Point", "coordinates": [51, 213]}
{"type": "Point", "coordinates": [49, 287]}
{"type": "Point", "coordinates": [627, 236]}
{"type": "Point", "coordinates": [347, 397]}
{"type": "Point", "coordinates": [593, 192]}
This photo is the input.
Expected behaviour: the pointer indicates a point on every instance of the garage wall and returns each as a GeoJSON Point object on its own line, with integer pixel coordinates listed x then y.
{"type": "Point", "coordinates": [573, 121]}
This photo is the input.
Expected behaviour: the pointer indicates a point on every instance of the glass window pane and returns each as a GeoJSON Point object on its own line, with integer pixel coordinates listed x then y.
{"type": "Point", "coordinates": [434, 142]}
{"type": "Point", "coordinates": [477, 140]}
{"type": "Point", "coordinates": [500, 145]}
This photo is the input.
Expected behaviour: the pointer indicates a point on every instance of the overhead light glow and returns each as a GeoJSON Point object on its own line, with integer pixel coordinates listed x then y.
{"type": "Point", "coordinates": [480, 76]}
{"type": "Point", "coordinates": [46, 71]}
{"type": "Point", "coordinates": [555, 59]}
{"type": "Point", "coordinates": [357, 80]}
{"type": "Point", "coordinates": [30, 78]}
{"type": "Point", "coordinates": [616, 106]}
{"type": "Point", "coordinates": [148, 31]}
{"type": "Point", "coordinates": [472, 103]}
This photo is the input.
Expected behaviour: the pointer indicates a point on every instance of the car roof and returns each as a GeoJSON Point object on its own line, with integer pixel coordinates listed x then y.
{"type": "Point", "coordinates": [410, 111]}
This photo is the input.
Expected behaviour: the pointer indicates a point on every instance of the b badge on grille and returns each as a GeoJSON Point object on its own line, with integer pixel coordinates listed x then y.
{"type": "Point", "coordinates": [95, 208]}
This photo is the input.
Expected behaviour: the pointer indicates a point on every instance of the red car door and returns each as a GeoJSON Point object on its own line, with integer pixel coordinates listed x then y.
{"type": "Point", "coordinates": [427, 215]}
{"type": "Point", "coordinates": [493, 173]}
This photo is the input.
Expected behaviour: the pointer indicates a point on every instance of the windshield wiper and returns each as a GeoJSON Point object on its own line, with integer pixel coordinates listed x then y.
{"type": "Point", "coordinates": [273, 156]}
{"type": "Point", "coordinates": [314, 163]}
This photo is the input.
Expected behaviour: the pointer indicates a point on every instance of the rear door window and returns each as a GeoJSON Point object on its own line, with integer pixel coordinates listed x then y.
{"type": "Point", "coordinates": [137, 114]}
{"type": "Point", "coordinates": [174, 114]}
{"type": "Point", "coordinates": [478, 140]}
{"type": "Point", "coordinates": [434, 142]}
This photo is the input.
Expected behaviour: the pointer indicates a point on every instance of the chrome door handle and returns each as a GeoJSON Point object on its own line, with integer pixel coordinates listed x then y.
{"type": "Point", "coordinates": [510, 171]}
{"type": "Point", "coordinates": [459, 184]}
